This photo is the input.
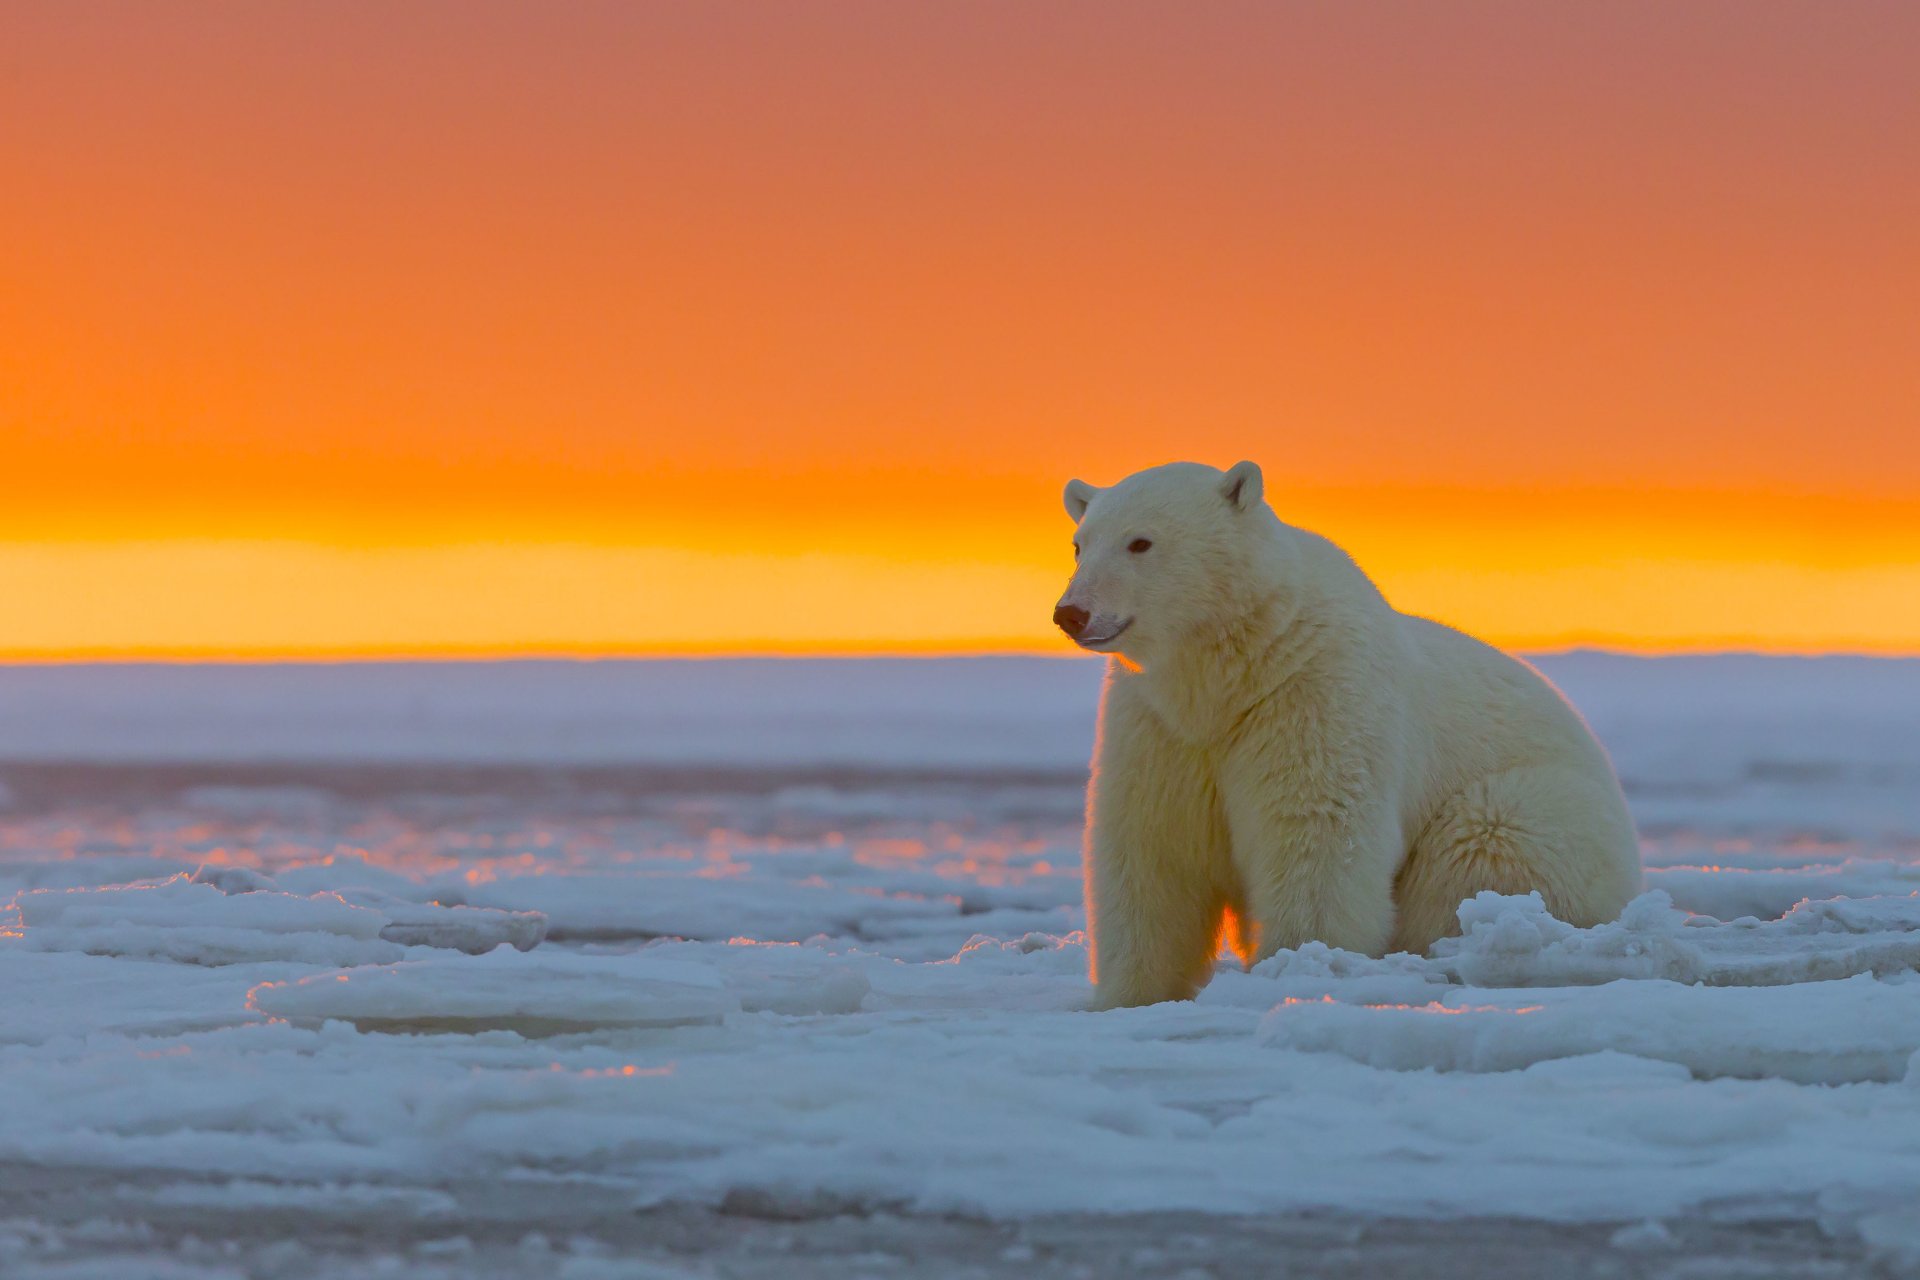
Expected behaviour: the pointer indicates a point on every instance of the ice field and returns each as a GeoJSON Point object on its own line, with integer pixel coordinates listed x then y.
{"type": "Point", "coordinates": [793, 938]}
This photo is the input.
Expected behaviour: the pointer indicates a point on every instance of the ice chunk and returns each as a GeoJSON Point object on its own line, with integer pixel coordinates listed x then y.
{"type": "Point", "coordinates": [1315, 969]}
{"type": "Point", "coordinates": [1647, 1235]}
{"type": "Point", "coordinates": [1512, 941]}
{"type": "Point", "coordinates": [694, 905]}
{"type": "Point", "coordinates": [1814, 1033]}
{"type": "Point", "coordinates": [196, 923]}
{"type": "Point", "coordinates": [53, 995]}
{"type": "Point", "coordinates": [412, 923]}
{"type": "Point", "coordinates": [547, 993]}
{"type": "Point", "coordinates": [474, 930]}
{"type": "Point", "coordinates": [230, 877]}
{"type": "Point", "coordinates": [1730, 892]}
{"type": "Point", "coordinates": [236, 915]}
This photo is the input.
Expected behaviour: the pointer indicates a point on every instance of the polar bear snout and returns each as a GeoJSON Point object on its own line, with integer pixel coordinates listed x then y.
{"type": "Point", "coordinates": [1088, 630]}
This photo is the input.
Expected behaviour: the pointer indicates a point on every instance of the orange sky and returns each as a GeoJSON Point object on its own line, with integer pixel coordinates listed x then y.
{"type": "Point", "coordinates": [624, 328]}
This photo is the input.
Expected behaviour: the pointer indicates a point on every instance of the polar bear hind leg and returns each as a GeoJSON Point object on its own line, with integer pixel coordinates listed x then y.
{"type": "Point", "coordinates": [1553, 828]}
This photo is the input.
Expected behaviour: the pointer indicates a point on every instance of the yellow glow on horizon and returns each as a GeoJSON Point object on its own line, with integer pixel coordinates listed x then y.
{"type": "Point", "coordinates": [1639, 582]}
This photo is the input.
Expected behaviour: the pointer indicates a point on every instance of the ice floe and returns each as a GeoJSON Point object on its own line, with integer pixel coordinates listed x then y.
{"type": "Point", "coordinates": [826, 992]}
{"type": "Point", "coordinates": [234, 915]}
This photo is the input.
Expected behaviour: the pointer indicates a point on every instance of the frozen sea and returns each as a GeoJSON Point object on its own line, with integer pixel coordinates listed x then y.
{"type": "Point", "coordinates": [777, 968]}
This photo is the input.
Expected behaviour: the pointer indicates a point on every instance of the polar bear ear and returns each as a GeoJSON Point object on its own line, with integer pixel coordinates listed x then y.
{"type": "Point", "coordinates": [1079, 494]}
{"type": "Point", "coordinates": [1241, 485]}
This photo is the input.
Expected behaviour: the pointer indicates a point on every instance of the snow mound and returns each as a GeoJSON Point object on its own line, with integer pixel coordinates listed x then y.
{"type": "Point", "coordinates": [1512, 941]}
{"type": "Point", "coordinates": [1316, 969]}
{"type": "Point", "coordinates": [236, 915]}
{"type": "Point", "coordinates": [543, 994]}
{"type": "Point", "coordinates": [1793, 998]}
{"type": "Point", "coordinates": [1820, 1033]}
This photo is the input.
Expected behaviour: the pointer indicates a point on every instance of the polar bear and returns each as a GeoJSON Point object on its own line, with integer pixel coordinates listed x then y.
{"type": "Point", "coordinates": [1284, 757]}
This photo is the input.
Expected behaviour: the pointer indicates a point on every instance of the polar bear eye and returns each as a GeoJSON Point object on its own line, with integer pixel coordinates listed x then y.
{"type": "Point", "coordinates": [1076, 551]}
{"type": "Point", "coordinates": [1138, 545]}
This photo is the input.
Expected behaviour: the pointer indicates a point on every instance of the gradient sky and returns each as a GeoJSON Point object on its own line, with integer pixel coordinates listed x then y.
{"type": "Point", "coordinates": [362, 328]}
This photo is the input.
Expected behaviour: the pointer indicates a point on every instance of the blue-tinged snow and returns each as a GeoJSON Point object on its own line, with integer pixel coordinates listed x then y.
{"type": "Point", "coordinates": [866, 984]}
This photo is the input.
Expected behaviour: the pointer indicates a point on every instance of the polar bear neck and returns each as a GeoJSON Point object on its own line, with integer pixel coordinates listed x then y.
{"type": "Point", "coordinates": [1306, 621]}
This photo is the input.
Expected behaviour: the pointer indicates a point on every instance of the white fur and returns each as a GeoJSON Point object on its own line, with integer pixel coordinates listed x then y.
{"type": "Point", "coordinates": [1283, 754]}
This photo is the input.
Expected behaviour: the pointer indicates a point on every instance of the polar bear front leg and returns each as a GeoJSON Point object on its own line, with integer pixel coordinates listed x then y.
{"type": "Point", "coordinates": [1155, 853]}
{"type": "Point", "coordinates": [1317, 877]}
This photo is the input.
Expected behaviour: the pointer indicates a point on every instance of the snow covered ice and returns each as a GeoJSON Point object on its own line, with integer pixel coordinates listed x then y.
{"type": "Point", "coordinates": [810, 934]}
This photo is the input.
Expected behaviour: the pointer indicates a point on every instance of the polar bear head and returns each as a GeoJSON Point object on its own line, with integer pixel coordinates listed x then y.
{"type": "Point", "coordinates": [1163, 554]}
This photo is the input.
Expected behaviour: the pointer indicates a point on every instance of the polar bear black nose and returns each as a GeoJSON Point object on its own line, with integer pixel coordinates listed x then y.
{"type": "Point", "coordinates": [1070, 619]}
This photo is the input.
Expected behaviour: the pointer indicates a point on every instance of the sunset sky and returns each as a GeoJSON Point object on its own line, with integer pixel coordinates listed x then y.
{"type": "Point", "coordinates": [471, 328]}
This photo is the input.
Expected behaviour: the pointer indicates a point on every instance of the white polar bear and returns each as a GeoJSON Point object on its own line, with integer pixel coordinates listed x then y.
{"type": "Point", "coordinates": [1284, 756]}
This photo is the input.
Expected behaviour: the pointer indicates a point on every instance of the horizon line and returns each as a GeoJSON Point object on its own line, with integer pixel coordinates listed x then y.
{"type": "Point", "coordinates": [485, 654]}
